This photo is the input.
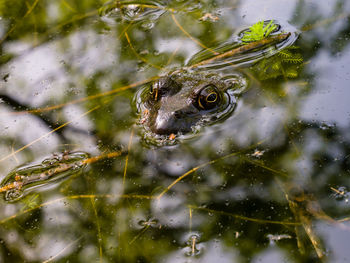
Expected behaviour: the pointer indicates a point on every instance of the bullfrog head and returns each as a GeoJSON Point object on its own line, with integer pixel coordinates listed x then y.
{"type": "Point", "coordinates": [182, 102]}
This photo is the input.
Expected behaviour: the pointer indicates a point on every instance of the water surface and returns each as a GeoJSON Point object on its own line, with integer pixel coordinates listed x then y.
{"type": "Point", "coordinates": [268, 184]}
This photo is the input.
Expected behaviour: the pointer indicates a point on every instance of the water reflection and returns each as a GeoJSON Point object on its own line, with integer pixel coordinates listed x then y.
{"type": "Point", "coordinates": [65, 68]}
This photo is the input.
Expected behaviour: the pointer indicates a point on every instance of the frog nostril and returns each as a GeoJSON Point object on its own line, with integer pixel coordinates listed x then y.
{"type": "Point", "coordinates": [177, 114]}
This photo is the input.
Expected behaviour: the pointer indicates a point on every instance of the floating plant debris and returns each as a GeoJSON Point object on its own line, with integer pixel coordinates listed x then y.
{"type": "Point", "coordinates": [273, 238]}
{"type": "Point", "coordinates": [259, 31]}
{"type": "Point", "coordinates": [341, 193]}
{"type": "Point", "coordinates": [238, 52]}
{"type": "Point", "coordinates": [143, 11]}
{"type": "Point", "coordinates": [192, 248]}
{"type": "Point", "coordinates": [23, 179]}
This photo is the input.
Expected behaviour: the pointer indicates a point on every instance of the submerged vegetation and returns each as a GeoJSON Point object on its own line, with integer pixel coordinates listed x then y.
{"type": "Point", "coordinates": [286, 63]}
{"type": "Point", "coordinates": [269, 183]}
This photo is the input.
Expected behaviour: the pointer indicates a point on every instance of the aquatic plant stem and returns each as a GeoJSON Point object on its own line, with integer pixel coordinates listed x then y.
{"type": "Point", "coordinates": [191, 216]}
{"type": "Point", "coordinates": [139, 234]}
{"type": "Point", "coordinates": [244, 48]}
{"type": "Point", "coordinates": [99, 95]}
{"type": "Point", "coordinates": [191, 37]}
{"type": "Point", "coordinates": [127, 156]}
{"type": "Point", "coordinates": [29, 11]}
{"type": "Point", "coordinates": [99, 235]}
{"type": "Point", "coordinates": [47, 134]}
{"type": "Point", "coordinates": [102, 156]}
{"type": "Point", "coordinates": [53, 258]}
{"type": "Point", "coordinates": [201, 166]}
{"type": "Point", "coordinates": [137, 55]}
{"type": "Point", "coordinates": [261, 221]}
{"type": "Point", "coordinates": [87, 196]}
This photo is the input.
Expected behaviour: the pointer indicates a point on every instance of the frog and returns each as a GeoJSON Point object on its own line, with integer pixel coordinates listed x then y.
{"type": "Point", "coordinates": [181, 102]}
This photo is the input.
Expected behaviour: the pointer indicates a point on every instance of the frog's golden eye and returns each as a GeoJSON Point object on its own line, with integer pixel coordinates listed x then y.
{"type": "Point", "coordinates": [208, 97]}
{"type": "Point", "coordinates": [212, 97]}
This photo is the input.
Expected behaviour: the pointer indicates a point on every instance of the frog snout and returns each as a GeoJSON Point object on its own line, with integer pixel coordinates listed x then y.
{"type": "Point", "coordinates": [167, 123]}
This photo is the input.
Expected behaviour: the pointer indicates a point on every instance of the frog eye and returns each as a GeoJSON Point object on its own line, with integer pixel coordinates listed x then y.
{"type": "Point", "coordinates": [208, 97]}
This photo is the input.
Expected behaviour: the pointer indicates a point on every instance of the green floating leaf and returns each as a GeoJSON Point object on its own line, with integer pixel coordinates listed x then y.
{"type": "Point", "coordinates": [258, 31]}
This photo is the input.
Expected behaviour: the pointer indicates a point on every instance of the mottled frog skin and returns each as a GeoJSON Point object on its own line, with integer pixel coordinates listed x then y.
{"type": "Point", "coordinates": [181, 102]}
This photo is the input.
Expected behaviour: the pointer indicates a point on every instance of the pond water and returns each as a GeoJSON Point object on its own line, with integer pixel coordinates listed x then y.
{"type": "Point", "coordinates": [81, 179]}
